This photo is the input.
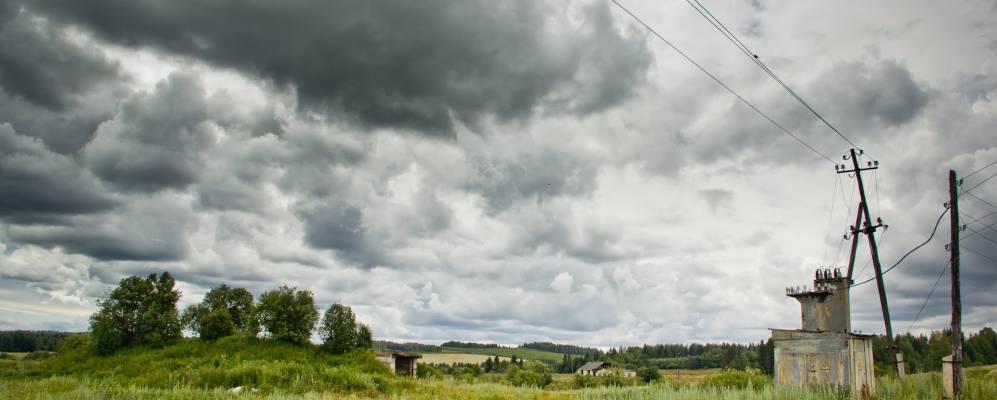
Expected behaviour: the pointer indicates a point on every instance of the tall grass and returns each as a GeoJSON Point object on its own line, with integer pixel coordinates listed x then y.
{"type": "Point", "coordinates": [268, 370]}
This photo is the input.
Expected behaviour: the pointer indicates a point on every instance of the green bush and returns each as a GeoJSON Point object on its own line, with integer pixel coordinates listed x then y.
{"type": "Point", "coordinates": [648, 374]}
{"type": "Point", "coordinates": [738, 379]}
{"type": "Point", "coordinates": [217, 324]}
{"type": "Point", "coordinates": [426, 371]}
{"type": "Point", "coordinates": [534, 375]}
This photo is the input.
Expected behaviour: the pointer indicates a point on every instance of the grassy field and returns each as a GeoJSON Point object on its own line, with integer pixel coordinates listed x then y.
{"type": "Point", "coordinates": [447, 358]}
{"type": "Point", "coordinates": [268, 370]}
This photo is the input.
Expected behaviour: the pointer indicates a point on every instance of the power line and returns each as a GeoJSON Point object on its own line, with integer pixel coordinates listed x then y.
{"type": "Point", "coordinates": [721, 83]}
{"type": "Point", "coordinates": [933, 230]}
{"type": "Point", "coordinates": [918, 316]}
{"type": "Point", "coordinates": [979, 220]}
{"type": "Point", "coordinates": [978, 253]}
{"type": "Point", "coordinates": [981, 182]}
{"type": "Point", "coordinates": [754, 57]}
{"type": "Point", "coordinates": [978, 198]}
{"type": "Point", "coordinates": [981, 169]}
{"type": "Point", "coordinates": [982, 235]}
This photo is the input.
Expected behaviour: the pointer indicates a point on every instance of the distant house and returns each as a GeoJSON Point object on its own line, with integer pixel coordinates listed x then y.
{"type": "Point", "coordinates": [602, 368]}
{"type": "Point", "coordinates": [401, 362]}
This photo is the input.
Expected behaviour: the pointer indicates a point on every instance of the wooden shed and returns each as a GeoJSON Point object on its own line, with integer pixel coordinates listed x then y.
{"type": "Point", "coordinates": [401, 362]}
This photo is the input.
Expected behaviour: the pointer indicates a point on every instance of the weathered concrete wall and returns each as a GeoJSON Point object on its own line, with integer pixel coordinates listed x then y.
{"type": "Point", "coordinates": [833, 359]}
{"type": "Point", "coordinates": [826, 308]}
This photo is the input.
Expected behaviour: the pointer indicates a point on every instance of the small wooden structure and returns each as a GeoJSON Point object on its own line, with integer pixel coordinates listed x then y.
{"type": "Point", "coordinates": [825, 352]}
{"type": "Point", "coordinates": [602, 368]}
{"type": "Point", "coordinates": [401, 362]}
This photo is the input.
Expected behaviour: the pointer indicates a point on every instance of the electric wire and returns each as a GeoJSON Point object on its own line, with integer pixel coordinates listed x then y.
{"type": "Point", "coordinates": [982, 235]}
{"type": "Point", "coordinates": [703, 11]}
{"type": "Point", "coordinates": [848, 218]}
{"type": "Point", "coordinates": [980, 183]}
{"type": "Point", "coordinates": [981, 169]}
{"type": "Point", "coordinates": [978, 253]}
{"type": "Point", "coordinates": [720, 82]}
{"type": "Point", "coordinates": [933, 230]}
{"type": "Point", "coordinates": [978, 220]}
{"type": "Point", "coordinates": [982, 200]}
{"type": "Point", "coordinates": [932, 291]}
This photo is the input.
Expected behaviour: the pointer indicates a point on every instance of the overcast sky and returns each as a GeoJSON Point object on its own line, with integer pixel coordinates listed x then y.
{"type": "Point", "coordinates": [499, 171]}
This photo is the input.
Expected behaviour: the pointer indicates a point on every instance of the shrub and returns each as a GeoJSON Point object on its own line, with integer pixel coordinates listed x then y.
{"type": "Point", "coordinates": [738, 379]}
{"type": "Point", "coordinates": [217, 324]}
{"type": "Point", "coordinates": [648, 374]}
{"type": "Point", "coordinates": [534, 374]}
{"type": "Point", "coordinates": [426, 371]}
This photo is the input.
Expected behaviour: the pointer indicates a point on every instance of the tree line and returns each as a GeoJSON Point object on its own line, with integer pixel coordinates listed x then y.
{"type": "Point", "coordinates": [924, 352]}
{"type": "Point", "coordinates": [143, 312]}
{"type": "Point", "coordinates": [29, 341]}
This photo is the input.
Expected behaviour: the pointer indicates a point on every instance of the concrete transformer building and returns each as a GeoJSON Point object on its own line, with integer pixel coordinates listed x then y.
{"type": "Point", "coordinates": [824, 352]}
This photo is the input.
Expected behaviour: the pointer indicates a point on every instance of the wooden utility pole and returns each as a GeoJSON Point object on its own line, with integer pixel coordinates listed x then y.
{"type": "Point", "coordinates": [869, 229]}
{"type": "Point", "coordinates": [856, 230]}
{"type": "Point", "coordinates": [956, 296]}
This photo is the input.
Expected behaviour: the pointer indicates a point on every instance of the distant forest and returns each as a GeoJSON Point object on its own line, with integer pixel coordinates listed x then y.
{"type": "Point", "coordinates": [28, 341]}
{"type": "Point", "coordinates": [921, 353]}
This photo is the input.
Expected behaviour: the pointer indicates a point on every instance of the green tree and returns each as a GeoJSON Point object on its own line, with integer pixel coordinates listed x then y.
{"type": "Point", "coordinates": [217, 324]}
{"type": "Point", "coordinates": [365, 338]}
{"type": "Point", "coordinates": [237, 302]}
{"type": "Point", "coordinates": [288, 314]}
{"type": "Point", "coordinates": [137, 312]}
{"type": "Point", "coordinates": [338, 329]}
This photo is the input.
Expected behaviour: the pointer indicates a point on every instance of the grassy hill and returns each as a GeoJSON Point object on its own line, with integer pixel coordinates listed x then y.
{"type": "Point", "coordinates": [263, 369]}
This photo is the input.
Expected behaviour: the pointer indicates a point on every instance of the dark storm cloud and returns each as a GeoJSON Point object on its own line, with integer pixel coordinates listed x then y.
{"type": "Point", "coordinates": [148, 230]}
{"type": "Point", "coordinates": [39, 64]}
{"type": "Point", "coordinates": [410, 65]}
{"type": "Point", "coordinates": [156, 141]}
{"type": "Point", "coordinates": [39, 185]}
{"type": "Point", "coordinates": [338, 226]}
{"type": "Point", "coordinates": [50, 86]}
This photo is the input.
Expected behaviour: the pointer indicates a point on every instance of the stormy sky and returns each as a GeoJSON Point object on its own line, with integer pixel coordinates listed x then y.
{"type": "Point", "coordinates": [492, 171]}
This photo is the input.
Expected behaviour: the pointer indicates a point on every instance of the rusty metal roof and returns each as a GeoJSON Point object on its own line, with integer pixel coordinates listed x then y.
{"type": "Point", "coordinates": [396, 353]}
{"type": "Point", "coordinates": [594, 365]}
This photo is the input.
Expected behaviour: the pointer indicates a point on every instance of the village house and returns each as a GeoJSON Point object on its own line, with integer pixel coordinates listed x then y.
{"type": "Point", "coordinates": [602, 368]}
{"type": "Point", "coordinates": [401, 362]}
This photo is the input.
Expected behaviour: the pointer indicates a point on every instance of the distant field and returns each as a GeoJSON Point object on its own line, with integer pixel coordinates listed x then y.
{"type": "Point", "coordinates": [689, 374]}
{"type": "Point", "coordinates": [449, 358]}
{"type": "Point", "coordinates": [17, 356]}
{"type": "Point", "coordinates": [519, 352]}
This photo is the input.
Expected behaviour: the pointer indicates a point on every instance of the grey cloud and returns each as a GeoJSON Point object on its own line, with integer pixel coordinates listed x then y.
{"type": "Point", "coordinates": [156, 140]}
{"type": "Point", "coordinates": [38, 63]}
{"type": "Point", "coordinates": [717, 199]}
{"type": "Point", "coordinates": [862, 96]}
{"type": "Point", "coordinates": [339, 226]}
{"type": "Point", "coordinates": [150, 230]}
{"type": "Point", "coordinates": [532, 176]}
{"type": "Point", "coordinates": [39, 185]}
{"type": "Point", "coordinates": [52, 87]}
{"type": "Point", "coordinates": [416, 66]}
